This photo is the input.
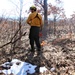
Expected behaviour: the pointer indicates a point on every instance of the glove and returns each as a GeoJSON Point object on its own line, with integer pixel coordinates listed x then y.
{"type": "Point", "coordinates": [40, 34]}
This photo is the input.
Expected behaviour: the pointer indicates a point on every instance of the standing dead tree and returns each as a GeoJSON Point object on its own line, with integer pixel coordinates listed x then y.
{"type": "Point", "coordinates": [43, 10]}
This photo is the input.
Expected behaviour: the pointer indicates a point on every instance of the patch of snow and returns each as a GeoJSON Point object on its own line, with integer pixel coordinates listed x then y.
{"type": "Point", "coordinates": [21, 69]}
{"type": "Point", "coordinates": [43, 69]}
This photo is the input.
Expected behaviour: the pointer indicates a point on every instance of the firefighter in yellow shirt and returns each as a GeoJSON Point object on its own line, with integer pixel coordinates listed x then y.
{"type": "Point", "coordinates": [35, 21]}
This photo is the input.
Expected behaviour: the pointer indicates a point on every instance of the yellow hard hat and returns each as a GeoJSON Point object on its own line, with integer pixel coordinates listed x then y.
{"type": "Point", "coordinates": [32, 7]}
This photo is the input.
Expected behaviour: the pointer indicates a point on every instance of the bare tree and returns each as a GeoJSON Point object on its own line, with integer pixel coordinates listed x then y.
{"type": "Point", "coordinates": [43, 6]}
{"type": "Point", "coordinates": [18, 33]}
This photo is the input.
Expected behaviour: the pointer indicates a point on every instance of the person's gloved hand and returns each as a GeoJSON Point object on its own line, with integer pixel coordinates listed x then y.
{"type": "Point", "coordinates": [40, 34]}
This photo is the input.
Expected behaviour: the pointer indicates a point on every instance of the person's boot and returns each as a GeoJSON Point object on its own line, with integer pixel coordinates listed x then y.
{"type": "Point", "coordinates": [32, 50]}
{"type": "Point", "coordinates": [38, 51]}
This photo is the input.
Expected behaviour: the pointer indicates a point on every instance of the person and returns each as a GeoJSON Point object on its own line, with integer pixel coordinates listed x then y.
{"type": "Point", "coordinates": [35, 22]}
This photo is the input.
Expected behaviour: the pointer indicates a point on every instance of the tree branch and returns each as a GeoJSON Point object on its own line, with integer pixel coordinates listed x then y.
{"type": "Point", "coordinates": [12, 42]}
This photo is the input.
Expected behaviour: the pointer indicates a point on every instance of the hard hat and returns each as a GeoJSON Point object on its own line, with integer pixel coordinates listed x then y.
{"type": "Point", "coordinates": [33, 8]}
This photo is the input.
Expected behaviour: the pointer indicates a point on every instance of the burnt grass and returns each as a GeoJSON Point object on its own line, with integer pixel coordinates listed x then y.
{"type": "Point", "coordinates": [59, 55]}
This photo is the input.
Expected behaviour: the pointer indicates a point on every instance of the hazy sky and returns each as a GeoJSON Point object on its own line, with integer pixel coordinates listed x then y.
{"type": "Point", "coordinates": [69, 6]}
{"type": "Point", "coordinates": [7, 8]}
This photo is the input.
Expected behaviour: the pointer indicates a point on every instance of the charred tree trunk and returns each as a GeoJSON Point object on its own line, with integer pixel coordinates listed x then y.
{"type": "Point", "coordinates": [45, 19]}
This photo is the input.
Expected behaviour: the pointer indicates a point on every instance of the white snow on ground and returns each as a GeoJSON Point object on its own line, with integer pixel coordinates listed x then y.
{"type": "Point", "coordinates": [21, 69]}
{"type": "Point", "coordinates": [42, 69]}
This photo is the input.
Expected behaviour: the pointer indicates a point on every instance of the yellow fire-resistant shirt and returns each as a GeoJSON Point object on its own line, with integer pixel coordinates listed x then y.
{"type": "Point", "coordinates": [35, 21]}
